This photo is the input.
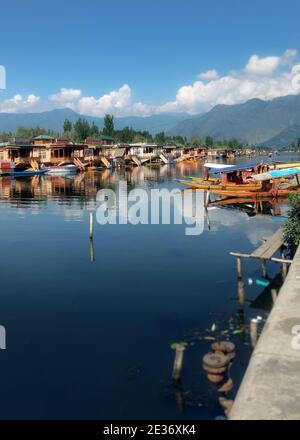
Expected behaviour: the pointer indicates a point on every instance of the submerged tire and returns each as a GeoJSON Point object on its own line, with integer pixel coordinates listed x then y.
{"type": "Point", "coordinates": [215, 378]}
{"type": "Point", "coordinates": [215, 360]}
{"type": "Point", "coordinates": [224, 346]}
{"type": "Point", "coordinates": [211, 370]}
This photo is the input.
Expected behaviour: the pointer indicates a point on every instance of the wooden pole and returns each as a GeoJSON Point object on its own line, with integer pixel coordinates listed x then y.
{"type": "Point", "coordinates": [284, 266]}
{"type": "Point", "coordinates": [253, 332]}
{"type": "Point", "coordinates": [239, 267]}
{"type": "Point", "coordinates": [178, 362]}
{"type": "Point", "coordinates": [92, 252]}
{"type": "Point", "coordinates": [207, 199]}
{"type": "Point", "coordinates": [274, 295]}
{"type": "Point", "coordinates": [264, 268]}
{"type": "Point", "coordinates": [91, 224]}
{"type": "Point", "coordinates": [241, 292]}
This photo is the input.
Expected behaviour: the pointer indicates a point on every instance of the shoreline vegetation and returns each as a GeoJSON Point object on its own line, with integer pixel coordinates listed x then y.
{"type": "Point", "coordinates": [80, 130]}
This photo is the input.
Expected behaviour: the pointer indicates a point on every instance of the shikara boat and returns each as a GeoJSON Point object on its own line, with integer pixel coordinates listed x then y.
{"type": "Point", "coordinates": [257, 195]}
{"type": "Point", "coordinates": [268, 184]}
{"type": "Point", "coordinates": [232, 177]}
{"type": "Point", "coordinates": [221, 168]}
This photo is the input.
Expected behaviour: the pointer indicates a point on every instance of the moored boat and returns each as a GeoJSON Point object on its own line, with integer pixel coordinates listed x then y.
{"type": "Point", "coordinates": [29, 173]}
{"type": "Point", "coordinates": [272, 183]}
{"type": "Point", "coordinates": [63, 169]}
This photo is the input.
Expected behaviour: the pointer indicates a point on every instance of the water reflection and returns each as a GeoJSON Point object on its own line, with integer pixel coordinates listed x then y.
{"type": "Point", "coordinates": [148, 286]}
{"type": "Point", "coordinates": [23, 192]}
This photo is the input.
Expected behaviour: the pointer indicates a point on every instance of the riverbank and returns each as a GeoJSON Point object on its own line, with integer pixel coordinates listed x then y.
{"type": "Point", "coordinates": [270, 389]}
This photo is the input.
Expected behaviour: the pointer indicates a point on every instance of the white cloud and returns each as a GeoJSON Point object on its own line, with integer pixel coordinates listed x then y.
{"type": "Point", "coordinates": [117, 102]}
{"type": "Point", "coordinates": [209, 75]}
{"type": "Point", "coordinates": [259, 79]}
{"type": "Point", "coordinates": [267, 65]}
{"type": "Point", "coordinates": [262, 66]}
{"type": "Point", "coordinates": [262, 77]}
{"type": "Point", "coordinates": [65, 97]}
{"type": "Point", "coordinates": [18, 104]}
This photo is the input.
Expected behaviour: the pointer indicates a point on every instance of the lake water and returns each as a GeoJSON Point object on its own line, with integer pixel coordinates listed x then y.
{"type": "Point", "coordinates": [91, 339]}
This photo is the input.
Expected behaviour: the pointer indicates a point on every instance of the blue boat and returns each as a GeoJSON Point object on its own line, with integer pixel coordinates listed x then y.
{"type": "Point", "coordinates": [29, 173]}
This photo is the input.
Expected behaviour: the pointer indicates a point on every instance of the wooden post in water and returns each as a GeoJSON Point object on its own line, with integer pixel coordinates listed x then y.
{"type": "Point", "coordinates": [178, 362]}
{"type": "Point", "coordinates": [253, 332]}
{"type": "Point", "coordinates": [91, 224]}
{"type": "Point", "coordinates": [207, 199]}
{"type": "Point", "coordinates": [241, 292]}
{"type": "Point", "coordinates": [264, 267]}
{"type": "Point", "coordinates": [239, 267]}
{"type": "Point", "coordinates": [92, 252]}
{"type": "Point", "coordinates": [284, 265]}
{"type": "Point", "coordinates": [274, 295]}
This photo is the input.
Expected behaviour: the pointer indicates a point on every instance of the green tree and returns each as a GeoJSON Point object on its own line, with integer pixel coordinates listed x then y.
{"type": "Point", "coordinates": [195, 141]}
{"type": "Point", "coordinates": [292, 226]}
{"type": "Point", "coordinates": [67, 126]}
{"type": "Point", "coordinates": [208, 141]}
{"type": "Point", "coordinates": [81, 130]}
{"type": "Point", "coordinates": [94, 130]}
{"type": "Point", "coordinates": [126, 135]}
{"type": "Point", "coordinates": [160, 138]}
{"type": "Point", "coordinates": [109, 126]}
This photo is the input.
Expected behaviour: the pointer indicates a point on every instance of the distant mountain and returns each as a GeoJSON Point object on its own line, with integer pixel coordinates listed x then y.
{"type": "Point", "coordinates": [267, 123]}
{"type": "Point", "coordinates": [54, 120]}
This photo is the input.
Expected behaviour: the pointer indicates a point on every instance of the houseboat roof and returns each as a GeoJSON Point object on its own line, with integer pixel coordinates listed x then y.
{"type": "Point", "coordinates": [16, 147]}
{"type": "Point", "coordinates": [233, 168]}
{"type": "Point", "coordinates": [217, 166]}
{"type": "Point", "coordinates": [43, 137]}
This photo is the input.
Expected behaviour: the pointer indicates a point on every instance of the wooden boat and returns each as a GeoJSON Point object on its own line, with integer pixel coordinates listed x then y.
{"type": "Point", "coordinates": [219, 168]}
{"type": "Point", "coordinates": [64, 169]}
{"type": "Point", "coordinates": [270, 185]}
{"type": "Point", "coordinates": [29, 173]}
{"type": "Point", "coordinates": [212, 186]}
{"type": "Point", "coordinates": [257, 195]}
{"type": "Point", "coordinates": [282, 165]}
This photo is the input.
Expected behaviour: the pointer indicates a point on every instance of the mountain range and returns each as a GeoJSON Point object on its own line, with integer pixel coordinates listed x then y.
{"type": "Point", "coordinates": [54, 119]}
{"type": "Point", "coordinates": [264, 123]}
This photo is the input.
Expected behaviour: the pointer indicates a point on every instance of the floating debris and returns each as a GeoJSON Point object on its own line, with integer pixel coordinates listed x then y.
{"type": "Point", "coordinates": [262, 283]}
{"type": "Point", "coordinates": [215, 360]}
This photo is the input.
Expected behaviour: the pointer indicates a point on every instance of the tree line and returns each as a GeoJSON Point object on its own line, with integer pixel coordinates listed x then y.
{"type": "Point", "coordinates": [81, 129]}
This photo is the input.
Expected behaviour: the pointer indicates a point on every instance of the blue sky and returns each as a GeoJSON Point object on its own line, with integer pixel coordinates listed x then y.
{"type": "Point", "coordinates": [153, 47]}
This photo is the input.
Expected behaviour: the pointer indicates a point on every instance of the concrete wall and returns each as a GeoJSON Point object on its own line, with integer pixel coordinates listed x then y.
{"type": "Point", "coordinates": [270, 389]}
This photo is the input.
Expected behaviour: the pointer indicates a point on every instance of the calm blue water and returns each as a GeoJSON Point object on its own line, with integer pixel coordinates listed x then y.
{"type": "Point", "coordinates": [91, 339]}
